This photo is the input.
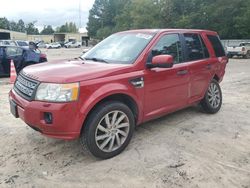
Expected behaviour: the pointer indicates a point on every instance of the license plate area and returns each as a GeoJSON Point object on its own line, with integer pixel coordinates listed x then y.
{"type": "Point", "coordinates": [13, 109]}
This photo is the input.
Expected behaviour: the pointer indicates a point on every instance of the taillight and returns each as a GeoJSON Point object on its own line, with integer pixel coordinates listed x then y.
{"type": "Point", "coordinates": [243, 49]}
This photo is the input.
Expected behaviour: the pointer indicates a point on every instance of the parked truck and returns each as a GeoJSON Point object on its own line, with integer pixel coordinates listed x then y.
{"type": "Point", "coordinates": [243, 50]}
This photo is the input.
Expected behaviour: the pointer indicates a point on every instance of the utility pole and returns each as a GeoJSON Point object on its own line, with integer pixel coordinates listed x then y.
{"type": "Point", "coordinates": [80, 18]}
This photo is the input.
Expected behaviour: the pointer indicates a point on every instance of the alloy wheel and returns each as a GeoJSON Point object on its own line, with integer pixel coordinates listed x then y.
{"type": "Point", "coordinates": [214, 97]}
{"type": "Point", "coordinates": [112, 131]}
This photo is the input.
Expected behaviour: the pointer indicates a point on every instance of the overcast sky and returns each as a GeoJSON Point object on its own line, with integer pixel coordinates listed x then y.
{"type": "Point", "coordinates": [46, 12]}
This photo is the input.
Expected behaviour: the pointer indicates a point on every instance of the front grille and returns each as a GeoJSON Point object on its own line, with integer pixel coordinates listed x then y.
{"type": "Point", "coordinates": [25, 86]}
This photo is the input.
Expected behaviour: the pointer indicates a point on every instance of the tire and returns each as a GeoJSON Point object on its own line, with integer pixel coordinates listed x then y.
{"type": "Point", "coordinates": [108, 129]}
{"type": "Point", "coordinates": [211, 103]}
{"type": "Point", "coordinates": [247, 56]}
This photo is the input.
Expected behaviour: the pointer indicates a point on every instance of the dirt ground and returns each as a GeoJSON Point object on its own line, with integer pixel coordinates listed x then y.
{"type": "Point", "coordinates": [184, 149]}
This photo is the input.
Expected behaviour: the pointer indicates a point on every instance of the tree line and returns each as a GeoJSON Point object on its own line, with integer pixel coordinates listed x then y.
{"type": "Point", "coordinates": [230, 18]}
{"type": "Point", "coordinates": [31, 29]}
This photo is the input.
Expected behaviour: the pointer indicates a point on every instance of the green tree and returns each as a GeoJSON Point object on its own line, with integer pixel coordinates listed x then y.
{"type": "Point", "coordinates": [47, 30]}
{"type": "Point", "coordinates": [67, 28]}
{"type": "Point", "coordinates": [102, 17]}
{"type": "Point", "coordinates": [31, 29]}
{"type": "Point", "coordinates": [4, 23]}
{"type": "Point", "coordinates": [21, 26]}
{"type": "Point", "coordinates": [13, 26]}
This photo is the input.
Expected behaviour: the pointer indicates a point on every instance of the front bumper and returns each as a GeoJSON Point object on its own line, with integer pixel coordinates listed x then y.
{"type": "Point", "coordinates": [66, 118]}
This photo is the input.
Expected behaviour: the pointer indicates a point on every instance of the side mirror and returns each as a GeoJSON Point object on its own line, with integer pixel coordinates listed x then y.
{"type": "Point", "coordinates": [162, 61]}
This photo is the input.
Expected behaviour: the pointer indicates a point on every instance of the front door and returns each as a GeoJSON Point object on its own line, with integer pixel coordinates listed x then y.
{"type": "Point", "coordinates": [166, 89]}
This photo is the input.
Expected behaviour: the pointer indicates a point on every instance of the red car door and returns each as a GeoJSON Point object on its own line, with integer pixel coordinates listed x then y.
{"type": "Point", "coordinates": [200, 66]}
{"type": "Point", "coordinates": [166, 89]}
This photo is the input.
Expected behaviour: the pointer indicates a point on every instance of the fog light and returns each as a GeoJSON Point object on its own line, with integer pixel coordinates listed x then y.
{"type": "Point", "coordinates": [48, 118]}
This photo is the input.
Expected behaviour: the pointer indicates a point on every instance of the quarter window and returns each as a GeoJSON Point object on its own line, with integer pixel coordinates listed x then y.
{"type": "Point", "coordinates": [168, 45]}
{"type": "Point", "coordinates": [217, 46]}
{"type": "Point", "coordinates": [195, 47]}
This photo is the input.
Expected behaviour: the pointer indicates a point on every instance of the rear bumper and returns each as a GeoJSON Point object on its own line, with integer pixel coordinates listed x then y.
{"type": "Point", "coordinates": [235, 53]}
{"type": "Point", "coordinates": [66, 121]}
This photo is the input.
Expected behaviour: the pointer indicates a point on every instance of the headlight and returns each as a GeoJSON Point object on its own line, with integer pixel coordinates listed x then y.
{"type": "Point", "coordinates": [57, 92]}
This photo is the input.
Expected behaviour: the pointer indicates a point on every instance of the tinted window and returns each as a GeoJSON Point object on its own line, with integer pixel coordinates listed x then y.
{"type": "Point", "coordinates": [218, 48]}
{"type": "Point", "coordinates": [195, 49]}
{"type": "Point", "coordinates": [168, 45]}
{"type": "Point", "coordinates": [205, 50]}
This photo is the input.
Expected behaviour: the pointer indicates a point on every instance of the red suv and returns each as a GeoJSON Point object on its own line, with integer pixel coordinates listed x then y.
{"type": "Point", "coordinates": [127, 79]}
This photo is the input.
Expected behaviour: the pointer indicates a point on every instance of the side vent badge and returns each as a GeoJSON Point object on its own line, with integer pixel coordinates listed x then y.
{"type": "Point", "coordinates": [137, 82]}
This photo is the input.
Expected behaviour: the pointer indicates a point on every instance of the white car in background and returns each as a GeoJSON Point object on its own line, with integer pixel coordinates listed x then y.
{"type": "Point", "coordinates": [20, 43]}
{"type": "Point", "coordinates": [53, 45]}
{"type": "Point", "coordinates": [243, 49]}
{"type": "Point", "coordinates": [72, 44]}
{"type": "Point", "coordinates": [41, 44]}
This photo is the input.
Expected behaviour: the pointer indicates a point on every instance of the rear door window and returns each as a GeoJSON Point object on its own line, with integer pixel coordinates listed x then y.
{"type": "Point", "coordinates": [195, 47]}
{"type": "Point", "coordinates": [217, 46]}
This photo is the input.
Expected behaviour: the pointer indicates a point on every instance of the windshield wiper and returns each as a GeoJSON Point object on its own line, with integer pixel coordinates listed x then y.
{"type": "Point", "coordinates": [96, 59]}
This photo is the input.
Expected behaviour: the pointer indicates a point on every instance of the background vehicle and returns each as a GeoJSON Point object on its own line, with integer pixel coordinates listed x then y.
{"type": "Point", "coordinates": [19, 43]}
{"type": "Point", "coordinates": [62, 43]}
{"type": "Point", "coordinates": [242, 50]}
{"type": "Point", "coordinates": [41, 44]}
{"type": "Point", "coordinates": [17, 54]}
{"type": "Point", "coordinates": [53, 45]}
{"type": "Point", "coordinates": [72, 44]}
{"type": "Point", "coordinates": [127, 79]}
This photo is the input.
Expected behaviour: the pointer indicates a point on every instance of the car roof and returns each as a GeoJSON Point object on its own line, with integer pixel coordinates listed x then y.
{"type": "Point", "coordinates": [156, 31]}
{"type": "Point", "coordinates": [4, 46]}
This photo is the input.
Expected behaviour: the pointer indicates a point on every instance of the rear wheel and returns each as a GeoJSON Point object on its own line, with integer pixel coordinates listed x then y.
{"type": "Point", "coordinates": [108, 129]}
{"type": "Point", "coordinates": [211, 103]}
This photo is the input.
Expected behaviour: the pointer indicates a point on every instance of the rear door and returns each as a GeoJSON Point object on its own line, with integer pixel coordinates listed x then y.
{"type": "Point", "coordinates": [218, 57]}
{"type": "Point", "coordinates": [166, 89]}
{"type": "Point", "coordinates": [199, 63]}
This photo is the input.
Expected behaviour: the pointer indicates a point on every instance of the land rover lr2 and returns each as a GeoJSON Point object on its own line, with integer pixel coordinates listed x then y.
{"type": "Point", "coordinates": [127, 79]}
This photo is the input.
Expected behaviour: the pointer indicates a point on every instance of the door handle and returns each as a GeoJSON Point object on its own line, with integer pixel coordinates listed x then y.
{"type": "Point", "coordinates": [208, 66]}
{"type": "Point", "coordinates": [182, 72]}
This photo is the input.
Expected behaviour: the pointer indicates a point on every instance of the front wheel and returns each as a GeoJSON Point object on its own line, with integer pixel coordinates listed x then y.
{"type": "Point", "coordinates": [211, 103]}
{"type": "Point", "coordinates": [108, 129]}
{"type": "Point", "coordinates": [247, 56]}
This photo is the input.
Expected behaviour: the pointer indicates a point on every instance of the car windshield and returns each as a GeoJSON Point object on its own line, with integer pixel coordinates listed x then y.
{"type": "Point", "coordinates": [120, 48]}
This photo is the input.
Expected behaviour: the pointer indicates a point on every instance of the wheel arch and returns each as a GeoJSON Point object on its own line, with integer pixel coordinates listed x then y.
{"type": "Point", "coordinates": [120, 97]}
{"type": "Point", "coordinates": [216, 77]}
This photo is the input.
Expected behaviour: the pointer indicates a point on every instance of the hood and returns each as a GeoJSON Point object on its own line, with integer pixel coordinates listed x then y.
{"type": "Point", "coordinates": [66, 71]}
